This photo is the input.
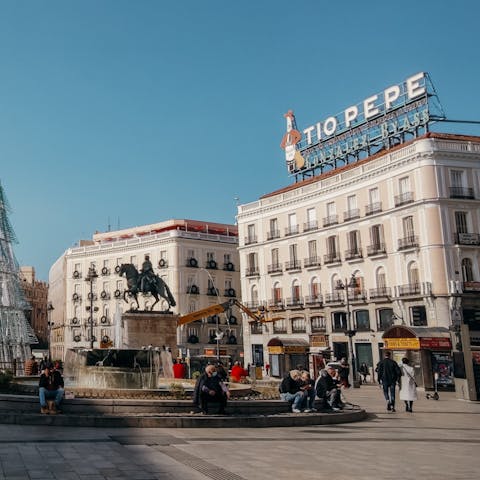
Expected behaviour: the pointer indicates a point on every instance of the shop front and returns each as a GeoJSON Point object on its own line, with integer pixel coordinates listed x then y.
{"type": "Point", "coordinates": [286, 354]}
{"type": "Point", "coordinates": [429, 350]}
{"type": "Point", "coordinates": [320, 353]}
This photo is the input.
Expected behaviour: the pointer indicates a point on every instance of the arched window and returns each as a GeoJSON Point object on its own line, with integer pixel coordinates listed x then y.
{"type": "Point", "coordinates": [254, 296]}
{"type": "Point", "coordinates": [467, 270]}
{"type": "Point", "coordinates": [413, 275]}
{"type": "Point", "coordinates": [277, 294]}
{"type": "Point", "coordinates": [380, 278]}
{"type": "Point", "coordinates": [295, 290]}
{"type": "Point", "coordinates": [315, 288]}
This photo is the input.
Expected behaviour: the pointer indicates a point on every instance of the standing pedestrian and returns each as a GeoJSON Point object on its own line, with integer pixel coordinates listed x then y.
{"type": "Point", "coordinates": [408, 389]}
{"type": "Point", "coordinates": [389, 374]}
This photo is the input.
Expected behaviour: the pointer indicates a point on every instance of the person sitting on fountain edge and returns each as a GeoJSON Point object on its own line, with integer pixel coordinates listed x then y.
{"type": "Point", "coordinates": [50, 388]}
{"type": "Point", "coordinates": [210, 388]}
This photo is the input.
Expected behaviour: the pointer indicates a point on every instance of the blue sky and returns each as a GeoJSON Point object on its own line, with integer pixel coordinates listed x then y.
{"type": "Point", "coordinates": [141, 111]}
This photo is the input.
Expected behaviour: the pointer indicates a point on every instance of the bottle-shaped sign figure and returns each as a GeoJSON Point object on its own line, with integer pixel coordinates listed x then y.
{"type": "Point", "coordinates": [295, 161]}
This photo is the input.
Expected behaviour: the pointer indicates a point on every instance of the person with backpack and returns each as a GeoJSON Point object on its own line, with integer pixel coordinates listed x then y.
{"type": "Point", "coordinates": [389, 374]}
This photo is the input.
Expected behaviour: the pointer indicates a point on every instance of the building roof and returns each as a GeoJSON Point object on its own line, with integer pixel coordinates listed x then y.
{"type": "Point", "coordinates": [441, 136]}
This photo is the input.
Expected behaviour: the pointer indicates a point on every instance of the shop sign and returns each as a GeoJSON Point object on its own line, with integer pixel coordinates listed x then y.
{"type": "Point", "coordinates": [402, 343]}
{"type": "Point", "coordinates": [275, 350]}
{"type": "Point", "coordinates": [295, 349]}
{"type": "Point", "coordinates": [319, 341]}
{"type": "Point", "coordinates": [361, 130]}
{"type": "Point", "coordinates": [431, 343]}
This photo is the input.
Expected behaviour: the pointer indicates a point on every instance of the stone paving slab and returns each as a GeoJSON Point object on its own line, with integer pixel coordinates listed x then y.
{"type": "Point", "coordinates": [439, 441]}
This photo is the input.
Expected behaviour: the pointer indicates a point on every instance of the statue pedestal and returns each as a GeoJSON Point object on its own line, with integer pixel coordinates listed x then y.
{"type": "Point", "coordinates": [149, 328]}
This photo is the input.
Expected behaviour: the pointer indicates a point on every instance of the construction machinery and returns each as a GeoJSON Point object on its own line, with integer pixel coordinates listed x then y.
{"type": "Point", "coordinates": [261, 315]}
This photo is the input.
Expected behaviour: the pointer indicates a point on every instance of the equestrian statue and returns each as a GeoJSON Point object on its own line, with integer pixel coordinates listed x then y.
{"type": "Point", "coordinates": [145, 281]}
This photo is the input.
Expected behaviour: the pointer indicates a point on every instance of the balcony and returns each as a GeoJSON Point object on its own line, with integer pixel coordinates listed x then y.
{"type": "Point", "coordinates": [382, 292]}
{"type": "Point", "coordinates": [467, 238]}
{"type": "Point", "coordinates": [471, 287]}
{"type": "Point", "coordinates": [256, 328]}
{"type": "Point", "coordinates": [408, 289]}
{"type": "Point", "coordinates": [230, 292]}
{"type": "Point", "coordinates": [331, 258]}
{"type": "Point", "coordinates": [273, 234]}
{"type": "Point", "coordinates": [309, 226]}
{"type": "Point", "coordinates": [211, 264]}
{"type": "Point", "coordinates": [229, 266]}
{"type": "Point", "coordinates": [293, 265]}
{"type": "Point", "coordinates": [462, 192]}
{"type": "Point", "coordinates": [376, 249]}
{"type": "Point", "coordinates": [372, 208]}
{"type": "Point", "coordinates": [403, 199]}
{"type": "Point", "coordinates": [313, 301]}
{"type": "Point", "coordinates": [252, 272]}
{"type": "Point", "coordinates": [291, 230]}
{"type": "Point", "coordinates": [250, 239]}
{"type": "Point", "coordinates": [335, 297]}
{"type": "Point", "coordinates": [311, 262]}
{"type": "Point", "coordinates": [357, 295]}
{"type": "Point", "coordinates": [330, 220]}
{"type": "Point", "coordinates": [253, 305]}
{"type": "Point", "coordinates": [275, 268]}
{"type": "Point", "coordinates": [408, 242]}
{"type": "Point", "coordinates": [294, 302]}
{"type": "Point", "coordinates": [275, 304]}
{"type": "Point", "coordinates": [354, 254]}
{"type": "Point", "coordinates": [351, 214]}
{"type": "Point", "coordinates": [212, 291]}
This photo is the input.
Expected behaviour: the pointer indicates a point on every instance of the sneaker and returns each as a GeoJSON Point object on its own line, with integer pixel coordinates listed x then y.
{"type": "Point", "coordinates": [296, 410]}
{"type": "Point", "coordinates": [44, 410]}
{"type": "Point", "coordinates": [307, 410]}
{"type": "Point", "coordinates": [313, 410]}
{"type": "Point", "coordinates": [336, 409]}
{"type": "Point", "coordinates": [389, 406]}
{"type": "Point", "coordinates": [393, 409]}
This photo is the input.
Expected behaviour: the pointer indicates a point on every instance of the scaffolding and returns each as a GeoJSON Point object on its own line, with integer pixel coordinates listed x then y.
{"type": "Point", "coordinates": [16, 334]}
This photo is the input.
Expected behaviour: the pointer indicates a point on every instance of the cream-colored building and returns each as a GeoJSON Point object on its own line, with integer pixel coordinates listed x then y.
{"type": "Point", "coordinates": [198, 261]}
{"type": "Point", "coordinates": [400, 229]}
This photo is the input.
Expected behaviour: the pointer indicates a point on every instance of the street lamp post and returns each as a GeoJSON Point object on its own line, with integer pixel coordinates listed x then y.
{"type": "Point", "coordinates": [91, 277]}
{"type": "Point", "coordinates": [350, 330]}
{"type": "Point", "coordinates": [49, 329]}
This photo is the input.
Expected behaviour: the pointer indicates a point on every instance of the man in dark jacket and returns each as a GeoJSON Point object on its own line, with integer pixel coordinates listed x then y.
{"type": "Point", "coordinates": [389, 374]}
{"type": "Point", "coordinates": [50, 387]}
{"type": "Point", "coordinates": [210, 388]}
{"type": "Point", "coordinates": [291, 391]}
{"type": "Point", "coordinates": [327, 388]}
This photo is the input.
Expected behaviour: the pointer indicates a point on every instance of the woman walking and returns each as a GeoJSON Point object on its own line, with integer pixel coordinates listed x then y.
{"type": "Point", "coordinates": [408, 390]}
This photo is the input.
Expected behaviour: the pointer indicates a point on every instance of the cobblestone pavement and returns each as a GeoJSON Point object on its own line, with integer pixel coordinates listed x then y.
{"type": "Point", "coordinates": [438, 441]}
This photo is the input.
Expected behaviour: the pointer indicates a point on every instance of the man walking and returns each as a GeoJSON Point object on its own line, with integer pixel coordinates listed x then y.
{"type": "Point", "coordinates": [388, 375]}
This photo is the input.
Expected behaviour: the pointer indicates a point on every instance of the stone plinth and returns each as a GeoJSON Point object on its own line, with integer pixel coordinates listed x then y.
{"type": "Point", "coordinates": [149, 328]}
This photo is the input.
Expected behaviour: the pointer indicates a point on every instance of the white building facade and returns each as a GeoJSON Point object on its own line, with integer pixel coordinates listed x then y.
{"type": "Point", "coordinates": [398, 232]}
{"type": "Point", "coordinates": [197, 260]}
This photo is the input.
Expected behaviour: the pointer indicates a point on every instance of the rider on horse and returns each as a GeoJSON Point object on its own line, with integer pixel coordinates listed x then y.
{"type": "Point", "coordinates": [147, 274]}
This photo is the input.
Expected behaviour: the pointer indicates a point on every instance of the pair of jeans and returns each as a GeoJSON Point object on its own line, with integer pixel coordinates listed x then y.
{"type": "Point", "coordinates": [45, 395]}
{"type": "Point", "coordinates": [311, 394]}
{"type": "Point", "coordinates": [389, 393]}
{"type": "Point", "coordinates": [298, 399]}
{"type": "Point", "coordinates": [220, 398]}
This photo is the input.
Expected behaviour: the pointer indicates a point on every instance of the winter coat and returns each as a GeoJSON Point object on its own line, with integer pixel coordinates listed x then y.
{"type": "Point", "coordinates": [408, 390]}
{"type": "Point", "coordinates": [388, 372]}
{"type": "Point", "coordinates": [289, 385]}
{"type": "Point", "coordinates": [324, 384]}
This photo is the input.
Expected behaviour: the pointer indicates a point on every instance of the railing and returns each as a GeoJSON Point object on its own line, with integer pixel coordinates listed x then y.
{"type": "Point", "coordinates": [461, 192]}
{"type": "Point", "coordinates": [373, 208]}
{"type": "Point", "coordinates": [353, 254]}
{"type": "Point", "coordinates": [272, 234]}
{"type": "Point", "coordinates": [357, 295]}
{"type": "Point", "coordinates": [376, 249]}
{"type": "Point", "coordinates": [313, 300]}
{"type": "Point", "coordinates": [293, 265]}
{"type": "Point", "coordinates": [275, 303]}
{"type": "Point", "coordinates": [253, 305]}
{"type": "Point", "coordinates": [351, 214]}
{"type": "Point", "coordinates": [335, 297]}
{"type": "Point", "coordinates": [330, 220]}
{"type": "Point", "coordinates": [311, 262]}
{"type": "Point", "coordinates": [250, 239]}
{"type": "Point", "coordinates": [331, 258]}
{"type": "Point", "coordinates": [309, 226]}
{"type": "Point", "coordinates": [408, 242]}
{"type": "Point", "coordinates": [294, 302]}
{"type": "Point", "coordinates": [409, 289]}
{"type": "Point", "coordinates": [382, 292]}
{"type": "Point", "coordinates": [291, 230]}
{"type": "Point", "coordinates": [256, 328]}
{"type": "Point", "coordinates": [275, 268]}
{"type": "Point", "coordinates": [403, 198]}
{"type": "Point", "coordinates": [252, 272]}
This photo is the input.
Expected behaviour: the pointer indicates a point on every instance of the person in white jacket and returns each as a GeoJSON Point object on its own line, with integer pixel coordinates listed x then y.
{"type": "Point", "coordinates": [408, 390]}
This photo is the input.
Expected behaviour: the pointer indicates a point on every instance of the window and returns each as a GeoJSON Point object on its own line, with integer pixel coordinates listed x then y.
{"type": "Point", "coordinates": [413, 275]}
{"type": "Point", "coordinates": [339, 320]}
{"type": "Point", "coordinates": [385, 318]}
{"type": "Point", "coordinates": [351, 202]}
{"type": "Point", "coordinates": [273, 224]}
{"type": "Point", "coordinates": [192, 331]}
{"type": "Point", "coordinates": [408, 230]}
{"type": "Point", "coordinates": [419, 316]}
{"type": "Point", "coordinates": [280, 326]}
{"type": "Point", "coordinates": [331, 209]}
{"type": "Point", "coordinates": [467, 270]}
{"type": "Point", "coordinates": [362, 320]}
{"type": "Point", "coordinates": [133, 259]}
{"type": "Point", "coordinates": [210, 256]}
{"type": "Point", "coordinates": [228, 283]}
{"type": "Point", "coordinates": [311, 216]}
{"type": "Point", "coordinates": [105, 264]}
{"type": "Point", "coordinates": [251, 231]}
{"type": "Point", "coordinates": [461, 222]}
{"type": "Point", "coordinates": [376, 237]}
{"type": "Point", "coordinates": [318, 323]}
{"type": "Point", "coordinates": [295, 290]}
{"type": "Point", "coordinates": [332, 246]}
{"type": "Point", "coordinates": [374, 195]}
{"type": "Point", "coordinates": [315, 287]}
{"type": "Point", "coordinates": [457, 178]}
{"type": "Point", "coordinates": [293, 252]}
{"type": "Point", "coordinates": [277, 293]}
{"type": "Point", "coordinates": [163, 254]}
{"type": "Point", "coordinates": [354, 242]}
{"type": "Point", "coordinates": [191, 253]}
{"type": "Point", "coordinates": [298, 325]}
{"type": "Point", "coordinates": [275, 256]}
{"type": "Point", "coordinates": [227, 258]}
{"type": "Point", "coordinates": [254, 295]}
{"type": "Point", "coordinates": [380, 278]}
{"type": "Point", "coordinates": [404, 185]}
{"type": "Point", "coordinates": [312, 248]}
{"type": "Point", "coordinates": [292, 220]}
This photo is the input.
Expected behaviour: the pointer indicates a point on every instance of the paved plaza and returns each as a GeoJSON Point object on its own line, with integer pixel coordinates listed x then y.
{"type": "Point", "coordinates": [440, 440]}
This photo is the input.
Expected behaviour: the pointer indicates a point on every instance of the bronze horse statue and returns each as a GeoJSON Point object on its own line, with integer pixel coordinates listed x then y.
{"type": "Point", "coordinates": [145, 284]}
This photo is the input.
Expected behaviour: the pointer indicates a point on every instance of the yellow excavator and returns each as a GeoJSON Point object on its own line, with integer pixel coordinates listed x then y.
{"type": "Point", "coordinates": [261, 315]}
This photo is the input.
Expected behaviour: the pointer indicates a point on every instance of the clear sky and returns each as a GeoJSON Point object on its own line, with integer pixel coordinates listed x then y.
{"type": "Point", "coordinates": [143, 110]}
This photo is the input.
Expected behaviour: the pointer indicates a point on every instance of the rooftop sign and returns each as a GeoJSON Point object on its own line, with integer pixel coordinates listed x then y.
{"type": "Point", "coordinates": [391, 117]}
